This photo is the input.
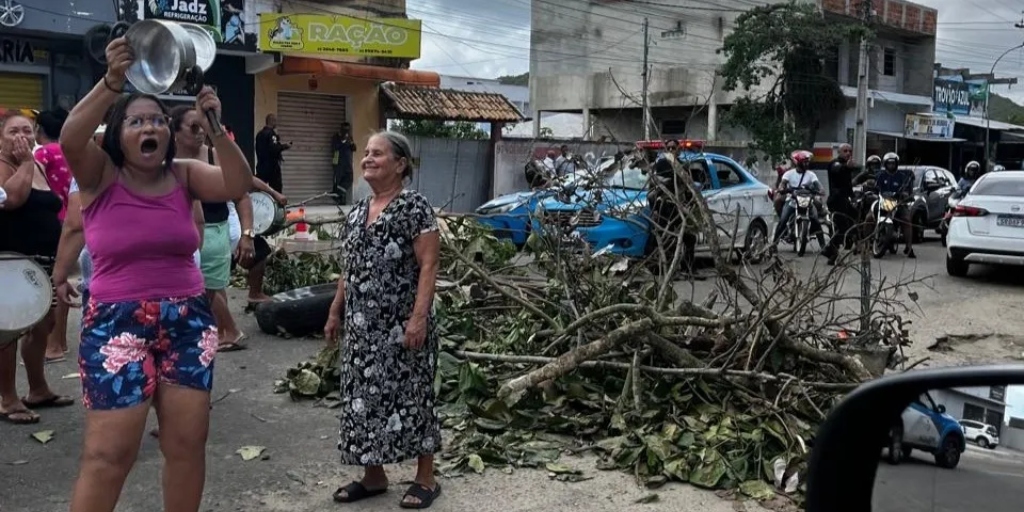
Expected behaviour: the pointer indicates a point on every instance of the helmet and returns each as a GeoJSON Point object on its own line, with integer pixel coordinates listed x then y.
{"type": "Point", "coordinates": [801, 158]}
{"type": "Point", "coordinates": [874, 160]}
{"type": "Point", "coordinates": [972, 169]}
{"type": "Point", "coordinates": [890, 157]}
{"type": "Point", "coordinates": [998, 168]}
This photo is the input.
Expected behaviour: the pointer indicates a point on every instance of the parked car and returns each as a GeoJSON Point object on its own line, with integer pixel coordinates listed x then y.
{"type": "Point", "coordinates": [509, 215]}
{"type": "Point", "coordinates": [932, 188]}
{"type": "Point", "coordinates": [988, 224]}
{"type": "Point", "coordinates": [986, 436]}
{"type": "Point", "coordinates": [925, 426]}
{"type": "Point", "coordinates": [614, 217]}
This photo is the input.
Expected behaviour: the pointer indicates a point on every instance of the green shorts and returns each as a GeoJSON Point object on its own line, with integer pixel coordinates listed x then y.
{"type": "Point", "coordinates": [215, 257]}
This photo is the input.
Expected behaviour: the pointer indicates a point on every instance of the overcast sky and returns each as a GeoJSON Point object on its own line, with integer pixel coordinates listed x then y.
{"type": "Point", "coordinates": [488, 39]}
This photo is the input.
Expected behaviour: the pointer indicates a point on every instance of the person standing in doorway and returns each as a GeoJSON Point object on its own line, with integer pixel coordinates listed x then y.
{"type": "Point", "coordinates": [269, 151]}
{"type": "Point", "coordinates": [342, 148]}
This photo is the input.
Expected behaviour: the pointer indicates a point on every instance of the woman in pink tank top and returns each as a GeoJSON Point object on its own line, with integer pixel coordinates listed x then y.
{"type": "Point", "coordinates": [148, 336]}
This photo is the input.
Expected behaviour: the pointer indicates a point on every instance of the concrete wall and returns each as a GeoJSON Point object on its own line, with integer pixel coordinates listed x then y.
{"type": "Point", "coordinates": [1012, 438]}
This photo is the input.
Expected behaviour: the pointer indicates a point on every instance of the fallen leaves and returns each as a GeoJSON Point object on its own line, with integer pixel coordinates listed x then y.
{"type": "Point", "coordinates": [251, 452]}
{"type": "Point", "coordinates": [43, 436]}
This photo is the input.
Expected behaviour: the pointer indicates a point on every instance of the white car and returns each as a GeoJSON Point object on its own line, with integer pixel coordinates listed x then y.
{"type": "Point", "coordinates": [988, 225]}
{"type": "Point", "coordinates": [986, 436]}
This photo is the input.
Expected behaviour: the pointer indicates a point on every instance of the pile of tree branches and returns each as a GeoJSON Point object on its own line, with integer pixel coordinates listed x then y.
{"type": "Point", "coordinates": [718, 382]}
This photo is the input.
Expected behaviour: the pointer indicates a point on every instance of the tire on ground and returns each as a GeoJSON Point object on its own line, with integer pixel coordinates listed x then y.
{"type": "Point", "coordinates": [296, 313]}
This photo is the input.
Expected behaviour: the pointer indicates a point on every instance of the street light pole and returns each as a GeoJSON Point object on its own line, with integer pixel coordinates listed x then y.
{"type": "Point", "coordinates": [988, 95]}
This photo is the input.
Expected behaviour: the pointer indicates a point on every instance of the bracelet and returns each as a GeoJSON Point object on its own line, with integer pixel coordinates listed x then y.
{"type": "Point", "coordinates": [111, 88]}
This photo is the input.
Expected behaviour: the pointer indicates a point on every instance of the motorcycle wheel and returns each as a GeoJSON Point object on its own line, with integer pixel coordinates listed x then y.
{"type": "Point", "coordinates": [881, 241]}
{"type": "Point", "coordinates": [803, 236]}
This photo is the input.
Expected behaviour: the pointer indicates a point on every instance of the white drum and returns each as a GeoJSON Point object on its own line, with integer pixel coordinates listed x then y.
{"type": "Point", "coordinates": [267, 216]}
{"type": "Point", "coordinates": [26, 296]}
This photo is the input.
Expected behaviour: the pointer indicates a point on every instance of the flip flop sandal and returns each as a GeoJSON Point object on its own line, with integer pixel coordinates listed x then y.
{"type": "Point", "coordinates": [421, 492]}
{"type": "Point", "coordinates": [58, 359]}
{"type": "Point", "coordinates": [354, 492]}
{"type": "Point", "coordinates": [24, 417]}
{"type": "Point", "coordinates": [54, 402]}
{"type": "Point", "coordinates": [230, 347]}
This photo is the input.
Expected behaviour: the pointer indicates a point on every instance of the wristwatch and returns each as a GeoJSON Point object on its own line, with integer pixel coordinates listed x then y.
{"type": "Point", "coordinates": [248, 233]}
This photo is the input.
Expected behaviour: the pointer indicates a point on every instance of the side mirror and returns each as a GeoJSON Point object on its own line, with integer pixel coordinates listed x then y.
{"type": "Point", "coordinates": [855, 460]}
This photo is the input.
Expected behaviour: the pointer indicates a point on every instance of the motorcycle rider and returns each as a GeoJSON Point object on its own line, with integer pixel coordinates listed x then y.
{"type": "Point", "coordinates": [971, 174]}
{"type": "Point", "coordinates": [840, 202]}
{"type": "Point", "coordinates": [800, 176]}
{"type": "Point", "coordinates": [900, 184]}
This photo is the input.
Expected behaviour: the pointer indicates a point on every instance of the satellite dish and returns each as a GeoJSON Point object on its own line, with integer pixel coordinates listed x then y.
{"type": "Point", "coordinates": [96, 40]}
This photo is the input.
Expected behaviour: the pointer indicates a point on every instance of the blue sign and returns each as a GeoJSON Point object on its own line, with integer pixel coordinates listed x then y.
{"type": "Point", "coordinates": [952, 95]}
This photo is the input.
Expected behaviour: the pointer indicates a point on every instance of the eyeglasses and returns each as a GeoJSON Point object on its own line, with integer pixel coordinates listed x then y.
{"type": "Point", "coordinates": [156, 120]}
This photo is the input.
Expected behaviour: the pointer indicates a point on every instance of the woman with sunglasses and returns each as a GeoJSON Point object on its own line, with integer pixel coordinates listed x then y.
{"type": "Point", "coordinates": [148, 337]}
{"type": "Point", "coordinates": [215, 257]}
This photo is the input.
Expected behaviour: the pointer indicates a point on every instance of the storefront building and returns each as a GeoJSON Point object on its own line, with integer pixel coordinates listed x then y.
{"type": "Point", "coordinates": [43, 63]}
{"type": "Point", "coordinates": [317, 73]}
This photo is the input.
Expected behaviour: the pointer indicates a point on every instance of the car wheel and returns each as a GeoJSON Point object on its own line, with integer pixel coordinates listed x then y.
{"type": "Point", "coordinates": [956, 267]}
{"type": "Point", "coordinates": [895, 455]}
{"type": "Point", "coordinates": [982, 442]}
{"type": "Point", "coordinates": [948, 456]}
{"type": "Point", "coordinates": [756, 243]}
{"type": "Point", "coordinates": [919, 227]}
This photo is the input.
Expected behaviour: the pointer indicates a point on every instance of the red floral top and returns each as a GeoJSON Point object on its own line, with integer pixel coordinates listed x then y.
{"type": "Point", "coordinates": [58, 174]}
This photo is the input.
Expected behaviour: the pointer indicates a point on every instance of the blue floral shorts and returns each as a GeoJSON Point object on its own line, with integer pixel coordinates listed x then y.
{"type": "Point", "coordinates": [128, 347]}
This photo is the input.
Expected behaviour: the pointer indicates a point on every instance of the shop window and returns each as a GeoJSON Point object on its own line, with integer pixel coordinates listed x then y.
{"type": "Point", "coordinates": [889, 62]}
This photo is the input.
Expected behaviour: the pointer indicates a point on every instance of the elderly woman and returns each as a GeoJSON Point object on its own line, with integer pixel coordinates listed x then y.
{"type": "Point", "coordinates": [215, 256]}
{"type": "Point", "coordinates": [389, 350]}
{"type": "Point", "coordinates": [148, 336]}
{"type": "Point", "coordinates": [29, 225]}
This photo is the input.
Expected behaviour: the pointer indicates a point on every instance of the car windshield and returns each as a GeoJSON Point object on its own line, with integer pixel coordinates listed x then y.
{"type": "Point", "coordinates": [630, 178]}
{"type": "Point", "coordinates": [991, 430]}
{"type": "Point", "coordinates": [994, 185]}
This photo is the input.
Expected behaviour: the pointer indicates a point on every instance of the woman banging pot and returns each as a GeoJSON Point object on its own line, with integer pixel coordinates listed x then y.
{"type": "Point", "coordinates": [148, 336]}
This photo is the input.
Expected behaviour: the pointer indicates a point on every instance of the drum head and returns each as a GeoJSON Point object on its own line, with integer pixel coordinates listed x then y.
{"type": "Point", "coordinates": [264, 212]}
{"type": "Point", "coordinates": [26, 293]}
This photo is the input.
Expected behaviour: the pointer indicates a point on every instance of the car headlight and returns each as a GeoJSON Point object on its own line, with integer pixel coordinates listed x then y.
{"type": "Point", "coordinates": [628, 209]}
{"type": "Point", "coordinates": [494, 210]}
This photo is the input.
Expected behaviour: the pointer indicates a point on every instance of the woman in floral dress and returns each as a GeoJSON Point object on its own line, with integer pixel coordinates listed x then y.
{"type": "Point", "coordinates": [389, 348]}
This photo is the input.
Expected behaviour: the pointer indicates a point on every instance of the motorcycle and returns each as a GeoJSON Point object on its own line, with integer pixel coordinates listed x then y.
{"type": "Point", "coordinates": [954, 199]}
{"type": "Point", "coordinates": [802, 201]}
{"type": "Point", "coordinates": [887, 232]}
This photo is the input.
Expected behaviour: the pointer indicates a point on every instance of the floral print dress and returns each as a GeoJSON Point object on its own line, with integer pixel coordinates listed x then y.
{"type": "Point", "coordinates": [387, 390]}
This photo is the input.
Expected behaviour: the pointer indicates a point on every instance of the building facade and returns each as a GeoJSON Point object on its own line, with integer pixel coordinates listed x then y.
{"type": "Point", "coordinates": [586, 57]}
{"type": "Point", "coordinates": [43, 62]}
{"type": "Point", "coordinates": [984, 404]}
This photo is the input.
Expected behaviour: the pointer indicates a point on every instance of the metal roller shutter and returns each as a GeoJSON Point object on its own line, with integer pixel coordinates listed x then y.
{"type": "Point", "coordinates": [21, 91]}
{"type": "Point", "coordinates": [309, 121]}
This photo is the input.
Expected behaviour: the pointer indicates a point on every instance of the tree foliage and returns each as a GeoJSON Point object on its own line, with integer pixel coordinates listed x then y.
{"type": "Point", "coordinates": [441, 129]}
{"type": "Point", "coordinates": [777, 54]}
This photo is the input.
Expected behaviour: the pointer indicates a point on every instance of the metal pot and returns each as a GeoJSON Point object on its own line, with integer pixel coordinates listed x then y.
{"type": "Point", "coordinates": [165, 57]}
{"type": "Point", "coordinates": [204, 44]}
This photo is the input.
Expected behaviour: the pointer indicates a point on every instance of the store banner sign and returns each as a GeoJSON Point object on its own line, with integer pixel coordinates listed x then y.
{"type": "Point", "coordinates": [955, 96]}
{"type": "Point", "coordinates": [929, 127]}
{"type": "Point", "coordinates": [224, 19]}
{"type": "Point", "coordinates": [325, 34]}
{"type": "Point", "coordinates": [18, 51]}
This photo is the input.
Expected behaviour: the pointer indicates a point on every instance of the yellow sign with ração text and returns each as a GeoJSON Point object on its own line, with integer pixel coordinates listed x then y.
{"type": "Point", "coordinates": [327, 34]}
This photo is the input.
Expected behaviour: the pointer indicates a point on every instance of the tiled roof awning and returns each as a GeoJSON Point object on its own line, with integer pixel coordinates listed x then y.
{"type": "Point", "coordinates": [411, 102]}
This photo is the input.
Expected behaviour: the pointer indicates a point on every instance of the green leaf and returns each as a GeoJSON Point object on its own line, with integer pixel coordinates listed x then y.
{"type": "Point", "coordinates": [43, 436]}
{"type": "Point", "coordinates": [709, 474]}
{"type": "Point", "coordinates": [757, 489]}
{"type": "Point", "coordinates": [475, 463]}
{"type": "Point", "coordinates": [250, 452]}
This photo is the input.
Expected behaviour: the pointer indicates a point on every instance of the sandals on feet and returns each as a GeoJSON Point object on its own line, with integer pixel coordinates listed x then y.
{"type": "Point", "coordinates": [20, 417]}
{"type": "Point", "coordinates": [356, 491]}
{"type": "Point", "coordinates": [54, 402]}
{"type": "Point", "coordinates": [233, 346]}
{"type": "Point", "coordinates": [422, 493]}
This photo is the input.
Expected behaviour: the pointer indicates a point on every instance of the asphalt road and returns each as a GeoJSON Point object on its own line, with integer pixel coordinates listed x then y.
{"type": "Point", "coordinates": [301, 468]}
{"type": "Point", "coordinates": [985, 481]}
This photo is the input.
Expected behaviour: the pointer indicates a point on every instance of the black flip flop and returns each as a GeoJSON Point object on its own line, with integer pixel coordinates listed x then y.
{"type": "Point", "coordinates": [356, 491]}
{"type": "Point", "coordinates": [422, 493]}
{"type": "Point", "coordinates": [54, 402]}
{"type": "Point", "coordinates": [230, 347]}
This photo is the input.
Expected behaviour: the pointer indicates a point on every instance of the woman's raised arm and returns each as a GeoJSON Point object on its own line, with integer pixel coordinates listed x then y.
{"type": "Point", "coordinates": [87, 161]}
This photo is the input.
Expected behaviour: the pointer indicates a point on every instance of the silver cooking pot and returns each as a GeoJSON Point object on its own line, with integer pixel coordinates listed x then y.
{"type": "Point", "coordinates": [169, 56]}
{"type": "Point", "coordinates": [165, 57]}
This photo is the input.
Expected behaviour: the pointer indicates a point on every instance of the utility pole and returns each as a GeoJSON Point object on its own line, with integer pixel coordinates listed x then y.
{"type": "Point", "coordinates": [860, 150]}
{"type": "Point", "coordinates": [646, 79]}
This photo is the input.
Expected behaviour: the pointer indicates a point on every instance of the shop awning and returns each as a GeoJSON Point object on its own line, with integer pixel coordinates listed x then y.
{"type": "Point", "coordinates": [304, 66]}
{"type": "Point", "coordinates": [983, 123]}
{"type": "Point", "coordinates": [409, 102]}
{"type": "Point", "coordinates": [889, 97]}
{"type": "Point", "coordinates": [898, 135]}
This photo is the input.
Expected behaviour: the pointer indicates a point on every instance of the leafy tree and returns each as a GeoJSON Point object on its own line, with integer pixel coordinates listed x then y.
{"type": "Point", "coordinates": [441, 129]}
{"type": "Point", "coordinates": [777, 55]}
{"type": "Point", "coordinates": [523, 79]}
